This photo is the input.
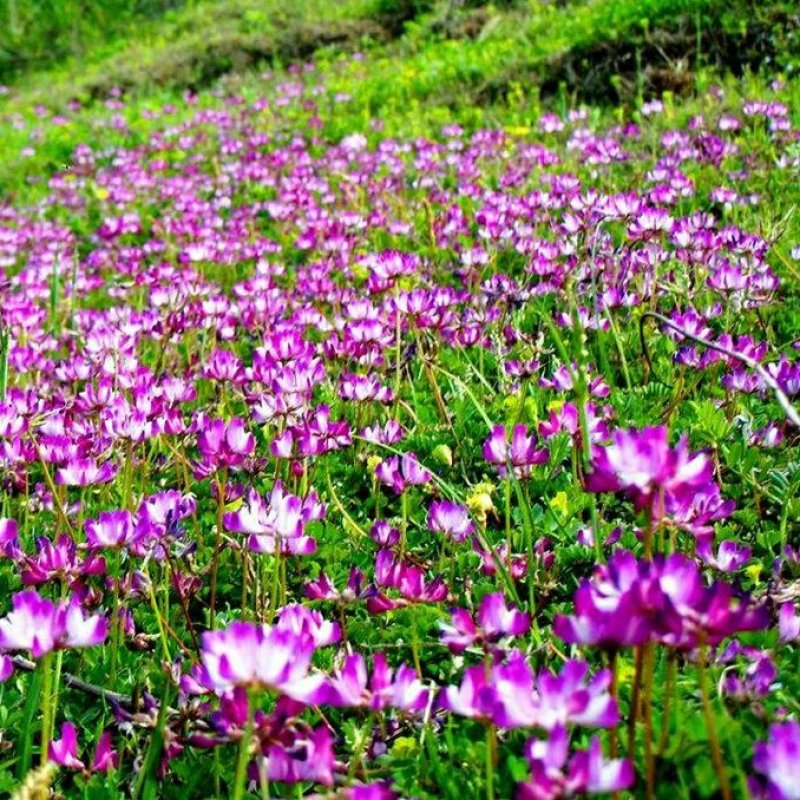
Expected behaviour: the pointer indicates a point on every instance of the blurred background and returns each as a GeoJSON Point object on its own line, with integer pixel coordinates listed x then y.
{"type": "Point", "coordinates": [420, 64]}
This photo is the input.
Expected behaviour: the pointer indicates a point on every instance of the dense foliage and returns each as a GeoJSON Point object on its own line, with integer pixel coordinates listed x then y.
{"type": "Point", "coordinates": [377, 448]}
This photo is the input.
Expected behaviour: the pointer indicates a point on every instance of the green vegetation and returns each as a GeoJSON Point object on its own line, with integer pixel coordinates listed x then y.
{"type": "Point", "coordinates": [425, 62]}
{"type": "Point", "coordinates": [421, 314]}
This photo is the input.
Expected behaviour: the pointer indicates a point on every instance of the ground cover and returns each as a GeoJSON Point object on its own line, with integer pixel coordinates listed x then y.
{"type": "Point", "coordinates": [362, 440]}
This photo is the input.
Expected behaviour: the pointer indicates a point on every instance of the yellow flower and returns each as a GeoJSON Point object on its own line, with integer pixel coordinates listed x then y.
{"type": "Point", "coordinates": [754, 571]}
{"type": "Point", "coordinates": [559, 503]}
{"type": "Point", "coordinates": [480, 501]}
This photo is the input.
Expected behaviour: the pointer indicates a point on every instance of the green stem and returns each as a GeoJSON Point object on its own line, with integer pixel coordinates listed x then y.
{"type": "Point", "coordinates": [46, 667]}
{"type": "Point", "coordinates": [647, 714]}
{"type": "Point", "coordinates": [404, 525]}
{"type": "Point", "coordinates": [4, 336]}
{"type": "Point", "coordinates": [507, 488]}
{"type": "Point", "coordinates": [491, 743]}
{"type": "Point", "coordinates": [708, 713]}
{"type": "Point", "coordinates": [397, 360]}
{"type": "Point", "coordinates": [634, 709]}
{"type": "Point", "coordinates": [162, 633]}
{"type": "Point", "coordinates": [221, 480]}
{"type": "Point", "coordinates": [240, 781]}
{"type": "Point", "coordinates": [276, 576]}
{"type": "Point", "coordinates": [669, 691]}
{"type": "Point", "coordinates": [28, 716]}
{"type": "Point", "coordinates": [145, 781]}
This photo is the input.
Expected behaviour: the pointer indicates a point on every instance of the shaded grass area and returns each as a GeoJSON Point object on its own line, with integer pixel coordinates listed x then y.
{"type": "Point", "coordinates": [37, 34]}
{"type": "Point", "coordinates": [191, 46]}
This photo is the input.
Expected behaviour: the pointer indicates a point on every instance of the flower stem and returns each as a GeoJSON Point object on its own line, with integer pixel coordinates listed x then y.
{"type": "Point", "coordinates": [634, 709]}
{"type": "Point", "coordinates": [508, 523]}
{"type": "Point", "coordinates": [669, 691]}
{"type": "Point", "coordinates": [647, 715]}
{"type": "Point", "coordinates": [708, 713]}
{"type": "Point", "coordinates": [46, 667]}
{"type": "Point", "coordinates": [404, 525]}
{"type": "Point", "coordinates": [491, 744]}
{"type": "Point", "coordinates": [217, 547]}
{"type": "Point", "coordinates": [244, 749]}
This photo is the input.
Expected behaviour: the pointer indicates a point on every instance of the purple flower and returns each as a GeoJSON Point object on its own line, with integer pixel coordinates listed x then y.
{"type": "Point", "coordinates": [305, 621]}
{"type": "Point", "coordinates": [277, 524]}
{"type": "Point", "coordinates": [105, 758]}
{"type": "Point", "coordinates": [587, 772]}
{"type": "Point", "coordinates": [498, 619]}
{"type": "Point", "coordinates": [788, 623]}
{"type": "Point", "coordinates": [473, 698]}
{"type": "Point", "coordinates": [244, 654]}
{"type": "Point", "coordinates": [642, 464]}
{"type": "Point", "coordinates": [41, 626]}
{"type": "Point", "coordinates": [400, 472]}
{"type": "Point", "coordinates": [402, 689]}
{"type": "Point", "coordinates": [64, 751]}
{"type": "Point", "coordinates": [307, 757]}
{"type": "Point", "coordinates": [521, 454]}
{"type": "Point", "coordinates": [371, 791]}
{"type": "Point", "coordinates": [85, 472]}
{"type": "Point", "coordinates": [548, 699]}
{"type": "Point", "coordinates": [323, 589]}
{"type": "Point", "coordinates": [629, 602]}
{"type": "Point", "coordinates": [223, 445]}
{"type": "Point", "coordinates": [450, 519]}
{"type": "Point", "coordinates": [9, 533]}
{"type": "Point", "coordinates": [729, 557]}
{"type": "Point", "coordinates": [778, 760]}
{"type": "Point", "coordinates": [608, 607]}
{"type": "Point", "coordinates": [495, 621]}
{"type": "Point", "coordinates": [758, 679]}
{"type": "Point", "coordinates": [111, 529]}
{"type": "Point", "coordinates": [395, 573]}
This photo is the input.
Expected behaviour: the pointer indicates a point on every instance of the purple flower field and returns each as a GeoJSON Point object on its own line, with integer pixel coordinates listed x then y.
{"type": "Point", "coordinates": [388, 467]}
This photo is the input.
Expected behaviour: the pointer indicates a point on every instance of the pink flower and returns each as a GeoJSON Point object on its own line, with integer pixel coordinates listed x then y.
{"type": "Point", "coordinates": [586, 773]}
{"type": "Point", "coordinates": [277, 658]}
{"type": "Point", "coordinates": [495, 621]}
{"type": "Point", "coordinates": [39, 625]}
{"type": "Point", "coordinates": [223, 445]}
{"type": "Point", "coordinates": [521, 454]}
{"type": "Point", "coordinates": [450, 519]}
{"type": "Point", "coordinates": [110, 529]}
{"type": "Point", "coordinates": [350, 686]}
{"type": "Point", "coordinates": [401, 472]}
{"type": "Point", "coordinates": [778, 760]}
{"type": "Point", "coordinates": [279, 524]}
{"type": "Point", "coordinates": [549, 700]}
{"type": "Point", "coordinates": [308, 757]}
{"type": "Point", "coordinates": [64, 751]}
{"type": "Point", "coordinates": [473, 698]}
{"type": "Point", "coordinates": [304, 621]}
{"type": "Point", "coordinates": [788, 623]}
{"type": "Point", "coordinates": [642, 464]}
{"type": "Point", "coordinates": [85, 472]}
